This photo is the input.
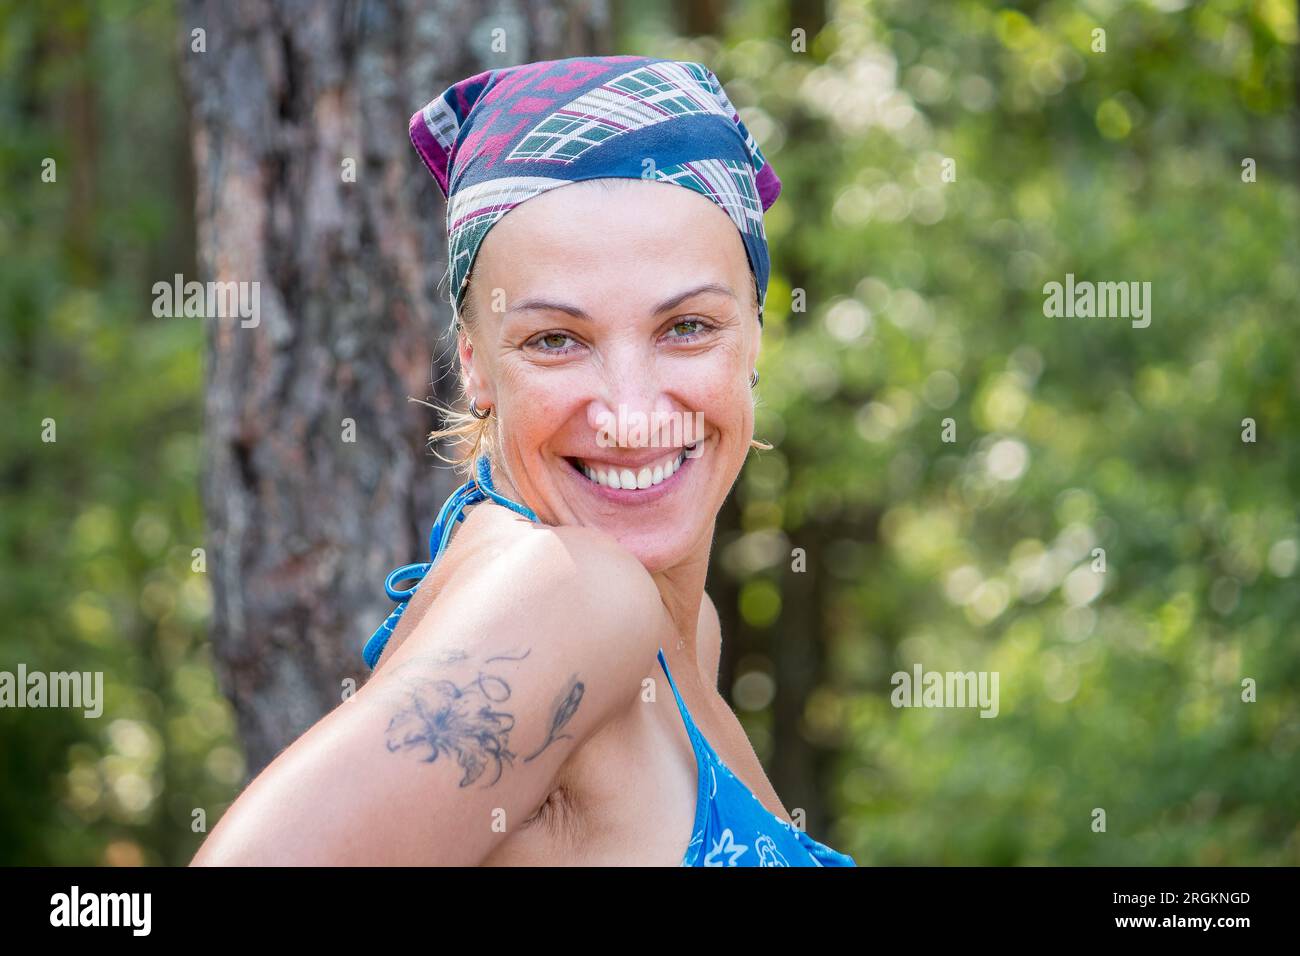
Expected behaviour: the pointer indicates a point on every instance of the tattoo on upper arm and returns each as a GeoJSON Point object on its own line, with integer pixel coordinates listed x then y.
{"type": "Point", "coordinates": [507, 657]}
{"type": "Point", "coordinates": [468, 723]}
{"type": "Point", "coordinates": [564, 709]}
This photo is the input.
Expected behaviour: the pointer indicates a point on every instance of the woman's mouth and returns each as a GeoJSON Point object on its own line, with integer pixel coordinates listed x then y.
{"type": "Point", "coordinates": [641, 483]}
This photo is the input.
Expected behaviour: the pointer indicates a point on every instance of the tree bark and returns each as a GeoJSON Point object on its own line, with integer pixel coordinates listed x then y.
{"type": "Point", "coordinates": [302, 524]}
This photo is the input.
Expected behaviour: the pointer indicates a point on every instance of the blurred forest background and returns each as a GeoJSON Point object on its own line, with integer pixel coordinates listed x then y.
{"type": "Point", "coordinates": [921, 301]}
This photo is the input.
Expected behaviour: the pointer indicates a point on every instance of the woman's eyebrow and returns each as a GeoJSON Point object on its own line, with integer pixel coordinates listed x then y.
{"type": "Point", "coordinates": [713, 287]}
{"type": "Point", "coordinates": [538, 305]}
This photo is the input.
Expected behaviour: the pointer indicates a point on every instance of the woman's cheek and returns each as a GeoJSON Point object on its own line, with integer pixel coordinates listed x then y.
{"type": "Point", "coordinates": [539, 395]}
{"type": "Point", "coordinates": [729, 406]}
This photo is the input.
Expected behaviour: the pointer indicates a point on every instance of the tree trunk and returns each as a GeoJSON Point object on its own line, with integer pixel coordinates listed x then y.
{"type": "Point", "coordinates": [303, 523]}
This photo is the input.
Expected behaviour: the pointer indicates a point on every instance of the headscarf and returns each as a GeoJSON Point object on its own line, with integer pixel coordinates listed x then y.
{"type": "Point", "coordinates": [501, 137]}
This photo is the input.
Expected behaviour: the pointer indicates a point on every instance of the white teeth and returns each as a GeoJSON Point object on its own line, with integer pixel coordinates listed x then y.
{"type": "Point", "coordinates": [645, 477]}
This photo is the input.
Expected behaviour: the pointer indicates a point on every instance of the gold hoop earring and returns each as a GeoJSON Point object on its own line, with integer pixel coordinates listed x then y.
{"type": "Point", "coordinates": [474, 410]}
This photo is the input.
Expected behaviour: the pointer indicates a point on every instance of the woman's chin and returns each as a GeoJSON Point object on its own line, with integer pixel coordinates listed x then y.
{"type": "Point", "coordinates": [657, 547]}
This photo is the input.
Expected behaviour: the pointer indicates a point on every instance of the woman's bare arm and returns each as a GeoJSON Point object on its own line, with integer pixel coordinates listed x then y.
{"type": "Point", "coordinates": [458, 739]}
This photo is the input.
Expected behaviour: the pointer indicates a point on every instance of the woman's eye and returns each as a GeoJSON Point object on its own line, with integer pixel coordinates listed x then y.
{"type": "Point", "coordinates": [559, 343]}
{"type": "Point", "coordinates": [552, 341]}
{"type": "Point", "coordinates": [693, 328]}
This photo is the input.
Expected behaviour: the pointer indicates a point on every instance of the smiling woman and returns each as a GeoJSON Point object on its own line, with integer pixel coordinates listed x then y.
{"type": "Point", "coordinates": [511, 245]}
{"type": "Point", "coordinates": [654, 246]}
{"type": "Point", "coordinates": [629, 308]}
{"type": "Point", "coordinates": [524, 662]}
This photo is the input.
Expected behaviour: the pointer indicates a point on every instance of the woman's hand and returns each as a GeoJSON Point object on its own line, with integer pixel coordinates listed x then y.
{"type": "Point", "coordinates": [458, 738]}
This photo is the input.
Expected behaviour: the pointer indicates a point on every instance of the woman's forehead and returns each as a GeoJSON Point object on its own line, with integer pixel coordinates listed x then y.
{"type": "Point", "coordinates": [630, 227]}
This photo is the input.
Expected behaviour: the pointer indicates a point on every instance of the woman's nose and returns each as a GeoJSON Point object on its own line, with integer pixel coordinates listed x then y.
{"type": "Point", "coordinates": [632, 407]}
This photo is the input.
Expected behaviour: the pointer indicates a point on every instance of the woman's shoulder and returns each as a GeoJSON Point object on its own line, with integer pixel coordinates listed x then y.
{"type": "Point", "coordinates": [503, 536]}
{"type": "Point", "coordinates": [584, 561]}
{"type": "Point", "coordinates": [568, 576]}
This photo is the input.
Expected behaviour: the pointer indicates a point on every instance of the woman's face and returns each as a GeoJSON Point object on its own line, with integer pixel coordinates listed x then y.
{"type": "Point", "coordinates": [614, 329]}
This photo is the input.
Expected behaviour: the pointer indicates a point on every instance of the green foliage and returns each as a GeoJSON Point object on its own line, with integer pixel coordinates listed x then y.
{"type": "Point", "coordinates": [99, 525]}
{"type": "Point", "coordinates": [1119, 690]}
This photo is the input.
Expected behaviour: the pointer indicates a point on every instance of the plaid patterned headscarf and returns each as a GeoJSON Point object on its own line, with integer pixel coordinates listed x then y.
{"type": "Point", "coordinates": [497, 139]}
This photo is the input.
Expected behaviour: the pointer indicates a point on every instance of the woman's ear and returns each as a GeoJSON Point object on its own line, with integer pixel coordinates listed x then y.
{"type": "Point", "coordinates": [464, 351]}
{"type": "Point", "coordinates": [469, 371]}
{"type": "Point", "coordinates": [477, 383]}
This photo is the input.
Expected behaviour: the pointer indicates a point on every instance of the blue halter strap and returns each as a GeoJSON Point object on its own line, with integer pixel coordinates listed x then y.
{"type": "Point", "coordinates": [472, 492]}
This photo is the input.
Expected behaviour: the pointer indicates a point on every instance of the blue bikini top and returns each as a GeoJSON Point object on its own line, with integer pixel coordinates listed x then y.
{"type": "Point", "coordinates": [732, 827]}
{"type": "Point", "coordinates": [453, 510]}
